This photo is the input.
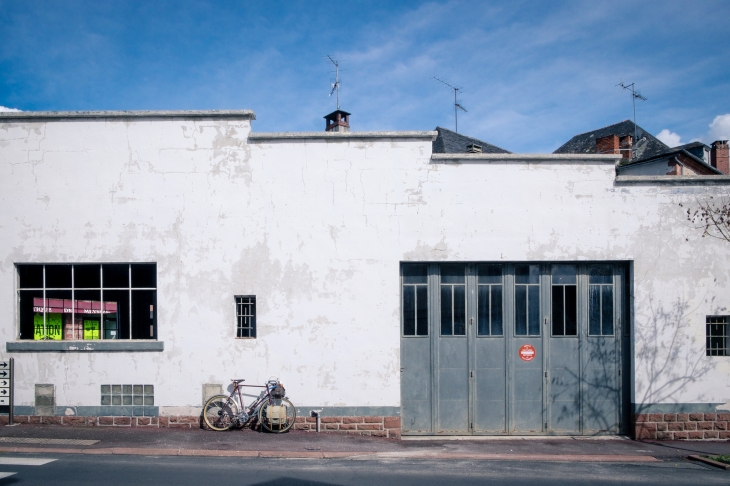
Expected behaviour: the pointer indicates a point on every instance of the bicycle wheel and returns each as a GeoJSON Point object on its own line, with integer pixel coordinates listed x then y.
{"type": "Point", "coordinates": [277, 415]}
{"type": "Point", "coordinates": [220, 412]}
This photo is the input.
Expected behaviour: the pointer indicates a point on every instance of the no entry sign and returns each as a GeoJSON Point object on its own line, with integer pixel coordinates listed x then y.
{"type": "Point", "coordinates": [527, 352]}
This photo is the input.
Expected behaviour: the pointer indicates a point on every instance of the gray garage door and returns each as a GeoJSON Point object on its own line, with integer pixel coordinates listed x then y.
{"type": "Point", "coordinates": [512, 349]}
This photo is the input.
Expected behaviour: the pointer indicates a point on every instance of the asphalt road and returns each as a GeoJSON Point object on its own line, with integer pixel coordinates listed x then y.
{"type": "Point", "coordinates": [79, 470]}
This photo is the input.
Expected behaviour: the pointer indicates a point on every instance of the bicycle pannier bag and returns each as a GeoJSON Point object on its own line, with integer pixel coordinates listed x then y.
{"type": "Point", "coordinates": [276, 414]}
{"type": "Point", "coordinates": [278, 391]}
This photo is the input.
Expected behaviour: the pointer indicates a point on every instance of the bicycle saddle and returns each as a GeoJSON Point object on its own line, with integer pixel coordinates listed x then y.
{"type": "Point", "coordinates": [237, 380]}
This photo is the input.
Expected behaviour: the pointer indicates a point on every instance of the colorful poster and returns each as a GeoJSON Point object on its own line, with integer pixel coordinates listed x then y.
{"type": "Point", "coordinates": [53, 327]}
{"type": "Point", "coordinates": [91, 329]}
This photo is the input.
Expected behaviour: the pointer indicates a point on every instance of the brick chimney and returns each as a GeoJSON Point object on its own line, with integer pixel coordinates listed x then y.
{"type": "Point", "coordinates": [626, 143]}
{"type": "Point", "coordinates": [719, 157]}
{"type": "Point", "coordinates": [607, 145]}
{"type": "Point", "coordinates": [337, 121]}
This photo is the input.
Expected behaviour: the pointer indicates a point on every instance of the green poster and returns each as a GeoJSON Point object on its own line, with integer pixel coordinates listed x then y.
{"type": "Point", "coordinates": [91, 329]}
{"type": "Point", "coordinates": [53, 329]}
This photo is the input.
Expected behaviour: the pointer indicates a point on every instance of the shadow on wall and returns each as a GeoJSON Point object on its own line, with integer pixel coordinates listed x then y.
{"type": "Point", "coordinates": [666, 359]}
{"type": "Point", "coordinates": [599, 396]}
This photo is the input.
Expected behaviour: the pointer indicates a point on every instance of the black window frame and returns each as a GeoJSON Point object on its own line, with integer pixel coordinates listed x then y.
{"type": "Point", "coordinates": [488, 311]}
{"type": "Point", "coordinates": [414, 315]}
{"type": "Point", "coordinates": [717, 335]}
{"type": "Point", "coordinates": [245, 316]}
{"type": "Point", "coordinates": [130, 315]}
{"type": "Point", "coordinates": [564, 302]}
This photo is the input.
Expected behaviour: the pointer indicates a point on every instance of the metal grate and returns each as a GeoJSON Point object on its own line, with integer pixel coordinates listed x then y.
{"type": "Point", "coordinates": [246, 316]}
{"type": "Point", "coordinates": [718, 335]}
{"type": "Point", "coordinates": [127, 395]}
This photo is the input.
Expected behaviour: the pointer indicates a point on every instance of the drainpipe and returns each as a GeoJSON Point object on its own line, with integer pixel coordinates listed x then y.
{"type": "Point", "coordinates": [681, 165]}
{"type": "Point", "coordinates": [315, 414]}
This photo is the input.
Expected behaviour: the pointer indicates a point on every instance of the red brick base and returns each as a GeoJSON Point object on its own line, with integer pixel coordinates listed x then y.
{"type": "Point", "coordinates": [678, 426]}
{"type": "Point", "coordinates": [374, 426]}
{"type": "Point", "coordinates": [179, 421]}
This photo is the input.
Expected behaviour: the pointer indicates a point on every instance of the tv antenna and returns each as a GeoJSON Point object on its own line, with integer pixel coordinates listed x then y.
{"type": "Point", "coordinates": [634, 96]}
{"type": "Point", "coordinates": [457, 105]}
{"type": "Point", "coordinates": [336, 85]}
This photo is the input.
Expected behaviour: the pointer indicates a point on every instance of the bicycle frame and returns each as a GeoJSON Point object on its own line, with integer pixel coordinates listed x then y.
{"type": "Point", "coordinates": [251, 409]}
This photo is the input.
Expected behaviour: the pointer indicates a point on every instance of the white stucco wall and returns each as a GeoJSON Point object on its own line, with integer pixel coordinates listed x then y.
{"type": "Point", "coordinates": [316, 230]}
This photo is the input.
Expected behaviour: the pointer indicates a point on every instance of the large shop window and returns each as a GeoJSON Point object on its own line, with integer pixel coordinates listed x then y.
{"type": "Point", "coordinates": [87, 301]}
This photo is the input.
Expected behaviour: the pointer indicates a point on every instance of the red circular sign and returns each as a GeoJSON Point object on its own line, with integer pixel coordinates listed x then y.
{"type": "Point", "coordinates": [527, 352]}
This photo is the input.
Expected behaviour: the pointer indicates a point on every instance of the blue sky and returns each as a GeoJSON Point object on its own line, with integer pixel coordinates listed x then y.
{"type": "Point", "coordinates": [534, 73]}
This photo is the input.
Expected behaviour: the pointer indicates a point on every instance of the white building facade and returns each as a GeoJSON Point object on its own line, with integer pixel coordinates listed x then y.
{"type": "Point", "coordinates": [147, 258]}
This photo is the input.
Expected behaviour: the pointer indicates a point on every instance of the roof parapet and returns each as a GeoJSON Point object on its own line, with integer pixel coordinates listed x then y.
{"type": "Point", "coordinates": [340, 136]}
{"type": "Point", "coordinates": [562, 158]}
{"type": "Point", "coordinates": [139, 114]}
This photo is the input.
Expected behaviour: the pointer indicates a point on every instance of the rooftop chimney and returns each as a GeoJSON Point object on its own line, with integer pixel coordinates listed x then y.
{"type": "Point", "coordinates": [607, 145]}
{"type": "Point", "coordinates": [473, 148]}
{"type": "Point", "coordinates": [626, 143]}
{"type": "Point", "coordinates": [719, 157]}
{"type": "Point", "coordinates": [337, 121]}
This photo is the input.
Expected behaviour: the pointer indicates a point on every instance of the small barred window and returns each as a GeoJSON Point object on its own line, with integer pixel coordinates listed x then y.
{"type": "Point", "coordinates": [718, 335]}
{"type": "Point", "coordinates": [246, 316]}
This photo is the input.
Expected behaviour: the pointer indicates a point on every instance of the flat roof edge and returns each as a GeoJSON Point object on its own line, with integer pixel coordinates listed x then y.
{"type": "Point", "coordinates": [674, 180]}
{"type": "Point", "coordinates": [336, 136]}
{"type": "Point", "coordinates": [597, 158]}
{"type": "Point", "coordinates": [139, 114]}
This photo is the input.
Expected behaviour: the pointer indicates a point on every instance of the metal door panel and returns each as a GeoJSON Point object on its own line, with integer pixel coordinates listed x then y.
{"type": "Point", "coordinates": [527, 389]}
{"type": "Point", "coordinates": [490, 386]}
{"type": "Point", "coordinates": [453, 385]}
{"type": "Point", "coordinates": [600, 386]}
{"type": "Point", "coordinates": [416, 384]}
{"type": "Point", "coordinates": [572, 386]}
{"type": "Point", "coordinates": [564, 385]}
{"type": "Point", "coordinates": [527, 417]}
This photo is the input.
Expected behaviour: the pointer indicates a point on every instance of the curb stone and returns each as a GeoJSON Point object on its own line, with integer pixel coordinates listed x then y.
{"type": "Point", "coordinates": [334, 455]}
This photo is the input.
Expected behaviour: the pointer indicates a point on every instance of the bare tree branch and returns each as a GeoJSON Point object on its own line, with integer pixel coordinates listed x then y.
{"type": "Point", "coordinates": [712, 217]}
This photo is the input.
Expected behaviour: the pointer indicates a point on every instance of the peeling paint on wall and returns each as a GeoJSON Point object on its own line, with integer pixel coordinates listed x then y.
{"type": "Point", "coordinates": [316, 230]}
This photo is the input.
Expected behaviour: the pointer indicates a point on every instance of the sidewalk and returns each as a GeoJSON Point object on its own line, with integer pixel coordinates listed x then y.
{"type": "Point", "coordinates": [309, 445]}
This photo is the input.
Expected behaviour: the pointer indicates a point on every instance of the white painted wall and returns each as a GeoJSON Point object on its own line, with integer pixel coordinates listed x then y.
{"type": "Point", "coordinates": [316, 230]}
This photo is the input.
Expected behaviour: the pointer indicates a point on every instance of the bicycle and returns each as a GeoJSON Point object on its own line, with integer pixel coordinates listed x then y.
{"type": "Point", "coordinates": [274, 411]}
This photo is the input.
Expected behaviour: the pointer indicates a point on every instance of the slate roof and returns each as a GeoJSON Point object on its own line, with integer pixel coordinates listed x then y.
{"type": "Point", "coordinates": [670, 153]}
{"type": "Point", "coordinates": [646, 145]}
{"type": "Point", "coordinates": [691, 145]}
{"type": "Point", "coordinates": [448, 142]}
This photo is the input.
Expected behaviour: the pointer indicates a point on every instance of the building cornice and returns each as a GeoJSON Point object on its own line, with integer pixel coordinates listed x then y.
{"type": "Point", "coordinates": [125, 115]}
{"type": "Point", "coordinates": [673, 180]}
{"type": "Point", "coordinates": [555, 158]}
{"type": "Point", "coordinates": [340, 136]}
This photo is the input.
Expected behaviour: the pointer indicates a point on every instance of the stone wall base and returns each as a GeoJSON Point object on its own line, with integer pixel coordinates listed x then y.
{"type": "Point", "coordinates": [176, 422]}
{"type": "Point", "coordinates": [682, 426]}
{"type": "Point", "coordinates": [374, 426]}
{"type": "Point", "coordinates": [388, 427]}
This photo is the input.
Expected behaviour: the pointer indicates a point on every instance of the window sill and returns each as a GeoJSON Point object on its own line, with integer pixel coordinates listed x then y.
{"type": "Point", "coordinates": [84, 346]}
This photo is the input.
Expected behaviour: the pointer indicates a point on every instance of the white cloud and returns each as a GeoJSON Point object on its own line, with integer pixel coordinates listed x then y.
{"type": "Point", "coordinates": [3, 108]}
{"type": "Point", "coordinates": [720, 128]}
{"type": "Point", "coordinates": [669, 138]}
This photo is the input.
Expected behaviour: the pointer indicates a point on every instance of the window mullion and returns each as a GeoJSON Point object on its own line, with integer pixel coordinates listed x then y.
{"type": "Point", "coordinates": [45, 306]}
{"type": "Point", "coordinates": [73, 301]}
{"type": "Point", "coordinates": [130, 299]}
